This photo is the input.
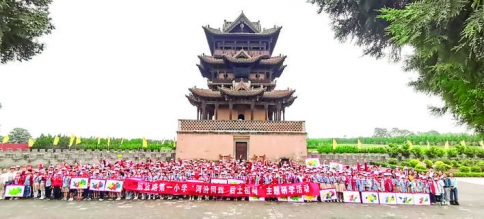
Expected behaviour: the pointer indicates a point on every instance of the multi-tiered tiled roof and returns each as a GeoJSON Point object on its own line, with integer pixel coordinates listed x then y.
{"type": "Point", "coordinates": [227, 60]}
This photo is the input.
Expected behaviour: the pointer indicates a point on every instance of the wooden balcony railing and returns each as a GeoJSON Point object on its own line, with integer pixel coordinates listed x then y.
{"type": "Point", "coordinates": [218, 80]}
{"type": "Point", "coordinates": [219, 52]}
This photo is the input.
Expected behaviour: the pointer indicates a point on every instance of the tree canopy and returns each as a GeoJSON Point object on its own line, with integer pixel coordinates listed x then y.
{"type": "Point", "coordinates": [22, 22]}
{"type": "Point", "coordinates": [448, 41]}
{"type": "Point", "coordinates": [19, 135]}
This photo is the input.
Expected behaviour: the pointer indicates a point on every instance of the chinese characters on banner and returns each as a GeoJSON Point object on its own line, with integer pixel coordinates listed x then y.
{"type": "Point", "coordinates": [223, 190]}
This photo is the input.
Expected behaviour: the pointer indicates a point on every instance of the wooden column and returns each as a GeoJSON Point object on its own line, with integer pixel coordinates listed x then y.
{"type": "Point", "coordinates": [204, 111]}
{"type": "Point", "coordinates": [230, 109]}
{"type": "Point", "coordinates": [198, 113]}
{"type": "Point", "coordinates": [252, 106]}
{"type": "Point", "coordinates": [216, 111]}
{"type": "Point", "coordinates": [278, 112]}
{"type": "Point", "coordinates": [283, 114]}
{"type": "Point", "coordinates": [266, 112]}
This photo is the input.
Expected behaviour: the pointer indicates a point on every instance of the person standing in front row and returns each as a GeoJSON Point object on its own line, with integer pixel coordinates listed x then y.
{"type": "Point", "coordinates": [3, 181]}
{"type": "Point", "coordinates": [447, 186]}
{"type": "Point", "coordinates": [48, 186]}
{"type": "Point", "coordinates": [453, 190]}
{"type": "Point", "coordinates": [28, 184]}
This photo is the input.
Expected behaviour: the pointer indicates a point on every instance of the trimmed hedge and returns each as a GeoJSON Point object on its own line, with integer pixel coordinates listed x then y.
{"type": "Point", "coordinates": [461, 174]}
{"type": "Point", "coordinates": [464, 169]}
{"type": "Point", "coordinates": [350, 149]}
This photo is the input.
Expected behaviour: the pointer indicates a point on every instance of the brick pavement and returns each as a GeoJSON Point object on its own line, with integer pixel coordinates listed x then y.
{"type": "Point", "coordinates": [469, 196]}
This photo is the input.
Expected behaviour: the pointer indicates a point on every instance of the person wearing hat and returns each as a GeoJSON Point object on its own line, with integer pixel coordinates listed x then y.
{"type": "Point", "coordinates": [438, 190]}
{"type": "Point", "coordinates": [388, 182]}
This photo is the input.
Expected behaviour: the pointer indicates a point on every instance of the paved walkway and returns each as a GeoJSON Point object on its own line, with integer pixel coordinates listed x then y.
{"type": "Point", "coordinates": [469, 196]}
{"type": "Point", "coordinates": [473, 180]}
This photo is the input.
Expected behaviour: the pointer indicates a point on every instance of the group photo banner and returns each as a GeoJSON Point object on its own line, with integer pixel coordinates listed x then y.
{"type": "Point", "coordinates": [224, 190]}
{"type": "Point", "coordinates": [79, 183]}
{"type": "Point", "coordinates": [14, 191]}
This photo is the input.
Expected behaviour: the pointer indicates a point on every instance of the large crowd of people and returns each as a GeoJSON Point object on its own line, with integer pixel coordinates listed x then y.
{"type": "Point", "coordinates": [52, 182]}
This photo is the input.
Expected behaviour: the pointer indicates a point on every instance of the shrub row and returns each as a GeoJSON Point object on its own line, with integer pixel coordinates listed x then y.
{"type": "Point", "coordinates": [461, 174]}
{"type": "Point", "coordinates": [434, 140]}
{"type": "Point", "coordinates": [349, 149]}
{"type": "Point", "coordinates": [46, 142]}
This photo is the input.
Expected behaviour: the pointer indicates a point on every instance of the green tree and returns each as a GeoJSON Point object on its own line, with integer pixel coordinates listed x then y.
{"type": "Point", "coordinates": [381, 132]}
{"type": "Point", "coordinates": [22, 22]}
{"type": "Point", "coordinates": [19, 135]}
{"type": "Point", "coordinates": [447, 38]}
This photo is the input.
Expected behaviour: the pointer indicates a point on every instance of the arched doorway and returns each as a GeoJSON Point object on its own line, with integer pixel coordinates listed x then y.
{"type": "Point", "coordinates": [241, 117]}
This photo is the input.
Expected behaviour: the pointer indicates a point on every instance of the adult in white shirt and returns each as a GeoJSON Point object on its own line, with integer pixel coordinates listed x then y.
{"type": "Point", "coordinates": [3, 180]}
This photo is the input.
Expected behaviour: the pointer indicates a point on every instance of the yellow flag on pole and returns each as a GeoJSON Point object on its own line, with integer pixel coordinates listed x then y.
{"type": "Point", "coordinates": [98, 140]}
{"type": "Point", "coordinates": [122, 139]}
{"type": "Point", "coordinates": [463, 143]}
{"type": "Point", "coordinates": [335, 144]}
{"type": "Point", "coordinates": [5, 139]}
{"type": "Point", "coordinates": [71, 141]}
{"type": "Point", "coordinates": [482, 144]}
{"type": "Point", "coordinates": [163, 142]}
{"type": "Point", "coordinates": [359, 144]}
{"type": "Point", "coordinates": [145, 143]}
{"type": "Point", "coordinates": [56, 140]}
{"type": "Point", "coordinates": [31, 143]}
{"type": "Point", "coordinates": [109, 141]}
{"type": "Point", "coordinates": [428, 144]}
{"type": "Point", "coordinates": [78, 140]}
{"type": "Point", "coordinates": [446, 145]}
{"type": "Point", "coordinates": [410, 145]}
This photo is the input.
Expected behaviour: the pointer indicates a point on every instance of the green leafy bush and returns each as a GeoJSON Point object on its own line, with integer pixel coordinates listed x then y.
{"type": "Point", "coordinates": [392, 161]}
{"type": "Point", "coordinates": [452, 153]}
{"type": "Point", "coordinates": [455, 163]}
{"type": "Point", "coordinates": [470, 152]}
{"type": "Point", "coordinates": [417, 152]}
{"type": "Point", "coordinates": [405, 163]}
{"type": "Point", "coordinates": [440, 152]}
{"type": "Point", "coordinates": [460, 149]}
{"type": "Point", "coordinates": [441, 166]}
{"type": "Point", "coordinates": [405, 150]}
{"type": "Point", "coordinates": [476, 169]}
{"type": "Point", "coordinates": [461, 174]}
{"type": "Point", "coordinates": [413, 162]}
{"type": "Point", "coordinates": [467, 162]}
{"type": "Point", "coordinates": [431, 153]}
{"type": "Point", "coordinates": [420, 168]}
{"type": "Point", "coordinates": [429, 163]}
{"type": "Point", "coordinates": [480, 153]}
{"type": "Point", "coordinates": [464, 169]}
{"type": "Point", "coordinates": [393, 150]}
{"type": "Point", "coordinates": [446, 161]}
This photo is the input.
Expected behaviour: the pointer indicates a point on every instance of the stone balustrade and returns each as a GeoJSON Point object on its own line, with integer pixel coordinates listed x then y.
{"type": "Point", "coordinates": [54, 156]}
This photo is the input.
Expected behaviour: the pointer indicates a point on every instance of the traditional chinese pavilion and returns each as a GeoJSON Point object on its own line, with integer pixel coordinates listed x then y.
{"type": "Point", "coordinates": [241, 114]}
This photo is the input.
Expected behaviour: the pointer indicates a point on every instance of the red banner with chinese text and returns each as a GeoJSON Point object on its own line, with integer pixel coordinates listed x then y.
{"type": "Point", "coordinates": [224, 190]}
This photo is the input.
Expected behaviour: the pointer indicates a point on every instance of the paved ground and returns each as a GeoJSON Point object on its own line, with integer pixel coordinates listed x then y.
{"type": "Point", "coordinates": [470, 197]}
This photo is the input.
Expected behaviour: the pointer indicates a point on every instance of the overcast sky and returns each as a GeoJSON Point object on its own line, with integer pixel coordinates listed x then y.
{"type": "Point", "coordinates": [122, 68]}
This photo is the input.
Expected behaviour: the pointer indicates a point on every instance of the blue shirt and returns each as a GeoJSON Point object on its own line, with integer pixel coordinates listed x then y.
{"type": "Point", "coordinates": [27, 180]}
{"type": "Point", "coordinates": [65, 181]}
